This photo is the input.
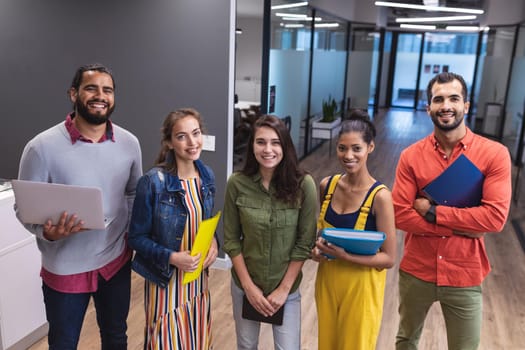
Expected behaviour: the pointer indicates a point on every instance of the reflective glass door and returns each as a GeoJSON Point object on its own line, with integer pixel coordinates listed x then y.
{"type": "Point", "coordinates": [447, 52]}
{"type": "Point", "coordinates": [404, 92]}
{"type": "Point", "coordinates": [515, 106]}
{"type": "Point", "coordinates": [289, 65]}
{"type": "Point", "coordinates": [495, 71]}
{"type": "Point", "coordinates": [363, 61]}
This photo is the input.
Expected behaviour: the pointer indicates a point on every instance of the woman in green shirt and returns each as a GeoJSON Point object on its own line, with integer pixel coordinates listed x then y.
{"type": "Point", "coordinates": [269, 227]}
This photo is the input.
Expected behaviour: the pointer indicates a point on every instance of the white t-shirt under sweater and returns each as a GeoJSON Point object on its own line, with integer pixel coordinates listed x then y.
{"type": "Point", "coordinates": [114, 167]}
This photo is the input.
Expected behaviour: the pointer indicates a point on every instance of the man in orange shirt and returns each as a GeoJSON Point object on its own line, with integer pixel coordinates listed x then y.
{"type": "Point", "coordinates": [444, 256]}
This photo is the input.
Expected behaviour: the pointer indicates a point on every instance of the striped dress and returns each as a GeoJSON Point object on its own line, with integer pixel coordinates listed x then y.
{"type": "Point", "coordinates": [178, 317]}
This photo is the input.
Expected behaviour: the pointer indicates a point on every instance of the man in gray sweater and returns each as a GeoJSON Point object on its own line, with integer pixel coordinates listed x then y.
{"type": "Point", "coordinates": [86, 149]}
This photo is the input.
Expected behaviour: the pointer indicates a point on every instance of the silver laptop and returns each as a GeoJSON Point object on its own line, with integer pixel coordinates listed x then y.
{"type": "Point", "coordinates": [39, 201]}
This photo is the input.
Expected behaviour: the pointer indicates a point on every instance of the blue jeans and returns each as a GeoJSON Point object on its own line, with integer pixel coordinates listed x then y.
{"type": "Point", "coordinates": [285, 337]}
{"type": "Point", "coordinates": [65, 312]}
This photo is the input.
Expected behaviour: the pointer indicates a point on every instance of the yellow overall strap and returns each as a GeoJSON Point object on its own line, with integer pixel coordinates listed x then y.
{"type": "Point", "coordinates": [365, 209]}
{"type": "Point", "coordinates": [332, 183]}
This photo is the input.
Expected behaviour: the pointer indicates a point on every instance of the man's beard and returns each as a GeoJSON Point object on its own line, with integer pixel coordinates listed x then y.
{"type": "Point", "coordinates": [447, 127]}
{"type": "Point", "coordinates": [91, 118]}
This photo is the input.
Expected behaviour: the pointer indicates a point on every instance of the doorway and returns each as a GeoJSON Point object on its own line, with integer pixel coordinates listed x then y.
{"type": "Point", "coordinates": [420, 56]}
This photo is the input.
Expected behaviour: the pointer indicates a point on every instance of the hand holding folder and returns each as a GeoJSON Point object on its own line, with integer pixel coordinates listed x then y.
{"type": "Point", "coordinates": [460, 185]}
{"type": "Point", "coordinates": [354, 241]}
{"type": "Point", "coordinates": [202, 244]}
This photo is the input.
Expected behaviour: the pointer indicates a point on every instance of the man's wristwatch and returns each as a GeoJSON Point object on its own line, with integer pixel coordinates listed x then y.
{"type": "Point", "coordinates": [430, 215]}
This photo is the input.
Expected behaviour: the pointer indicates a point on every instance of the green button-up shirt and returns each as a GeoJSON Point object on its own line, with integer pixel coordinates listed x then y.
{"type": "Point", "coordinates": [268, 232]}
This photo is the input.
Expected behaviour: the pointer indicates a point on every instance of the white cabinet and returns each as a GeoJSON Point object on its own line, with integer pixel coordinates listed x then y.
{"type": "Point", "coordinates": [22, 313]}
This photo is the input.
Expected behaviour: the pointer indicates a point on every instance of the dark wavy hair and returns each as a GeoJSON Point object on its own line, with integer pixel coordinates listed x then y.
{"type": "Point", "coordinates": [166, 157]}
{"type": "Point", "coordinates": [446, 77]}
{"type": "Point", "coordinates": [359, 121]}
{"type": "Point", "coordinates": [288, 176]}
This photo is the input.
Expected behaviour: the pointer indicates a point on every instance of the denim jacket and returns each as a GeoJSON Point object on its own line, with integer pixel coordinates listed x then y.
{"type": "Point", "coordinates": [158, 219]}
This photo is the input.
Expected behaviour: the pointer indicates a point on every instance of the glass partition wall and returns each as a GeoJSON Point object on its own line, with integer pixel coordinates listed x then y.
{"type": "Point", "coordinates": [329, 56]}
{"type": "Point", "coordinates": [289, 67]}
{"type": "Point", "coordinates": [307, 66]}
{"type": "Point", "coordinates": [315, 57]}
{"type": "Point", "coordinates": [407, 48]}
{"type": "Point", "coordinates": [515, 106]}
{"type": "Point", "coordinates": [311, 64]}
{"type": "Point", "coordinates": [446, 52]}
{"type": "Point", "coordinates": [363, 63]}
{"type": "Point", "coordinates": [420, 56]}
{"type": "Point", "coordinates": [494, 69]}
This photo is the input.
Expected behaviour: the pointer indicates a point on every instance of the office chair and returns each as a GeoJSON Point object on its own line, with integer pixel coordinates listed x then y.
{"type": "Point", "coordinates": [288, 122]}
{"type": "Point", "coordinates": [241, 133]}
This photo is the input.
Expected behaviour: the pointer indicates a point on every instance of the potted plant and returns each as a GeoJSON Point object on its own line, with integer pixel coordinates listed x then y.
{"type": "Point", "coordinates": [328, 125]}
{"type": "Point", "coordinates": [329, 110]}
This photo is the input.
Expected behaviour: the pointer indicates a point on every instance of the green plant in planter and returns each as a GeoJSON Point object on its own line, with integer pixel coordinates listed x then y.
{"type": "Point", "coordinates": [329, 110]}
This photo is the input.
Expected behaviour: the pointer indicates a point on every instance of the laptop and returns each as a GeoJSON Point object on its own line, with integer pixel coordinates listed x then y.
{"type": "Point", "coordinates": [39, 201]}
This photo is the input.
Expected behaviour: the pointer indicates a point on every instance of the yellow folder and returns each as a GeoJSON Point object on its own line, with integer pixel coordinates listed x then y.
{"type": "Point", "coordinates": [202, 244]}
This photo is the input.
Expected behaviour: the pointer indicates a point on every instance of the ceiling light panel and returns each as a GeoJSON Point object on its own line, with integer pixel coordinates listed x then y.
{"type": "Point", "coordinates": [464, 28]}
{"type": "Point", "coordinates": [435, 19]}
{"type": "Point", "coordinates": [292, 25]}
{"type": "Point", "coordinates": [308, 19]}
{"type": "Point", "coordinates": [294, 15]}
{"type": "Point", "coordinates": [288, 6]}
{"type": "Point", "coordinates": [429, 8]}
{"type": "Point", "coordinates": [327, 25]}
{"type": "Point", "coordinates": [418, 26]}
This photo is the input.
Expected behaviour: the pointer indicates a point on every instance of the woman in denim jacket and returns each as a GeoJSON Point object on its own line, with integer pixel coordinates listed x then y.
{"type": "Point", "coordinates": [171, 200]}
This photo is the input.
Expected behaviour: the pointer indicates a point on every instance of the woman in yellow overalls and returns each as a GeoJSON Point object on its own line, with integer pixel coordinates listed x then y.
{"type": "Point", "coordinates": [349, 288]}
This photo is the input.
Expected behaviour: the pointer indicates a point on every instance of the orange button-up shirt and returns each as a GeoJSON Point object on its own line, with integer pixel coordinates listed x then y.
{"type": "Point", "coordinates": [432, 252]}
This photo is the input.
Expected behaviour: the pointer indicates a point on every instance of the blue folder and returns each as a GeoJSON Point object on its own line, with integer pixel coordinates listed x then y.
{"type": "Point", "coordinates": [354, 241]}
{"type": "Point", "coordinates": [460, 185]}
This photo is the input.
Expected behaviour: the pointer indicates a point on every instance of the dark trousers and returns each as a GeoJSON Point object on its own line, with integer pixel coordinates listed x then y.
{"type": "Point", "coordinates": [65, 312]}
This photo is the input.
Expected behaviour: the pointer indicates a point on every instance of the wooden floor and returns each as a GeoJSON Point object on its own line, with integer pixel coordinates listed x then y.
{"type": "Point", "coordinates": [503, 290]}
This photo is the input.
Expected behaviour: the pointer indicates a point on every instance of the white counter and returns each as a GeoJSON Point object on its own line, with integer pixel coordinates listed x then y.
{"type": "Point", "coordinates": [22, 312]}
{"type": "Point", "coordinates": [247, 104]}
